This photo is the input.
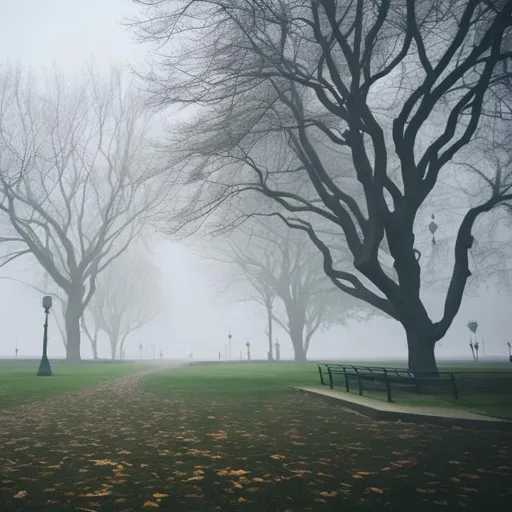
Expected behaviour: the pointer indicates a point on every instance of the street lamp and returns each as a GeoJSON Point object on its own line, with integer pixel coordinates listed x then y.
{"type": "Point", "coordinates": [278, 350]}
{"type": "Point", "coordinates": [229, 344]}
{"type": "Point", "coordinates": [248, 345]}
{"type": "Point", "coordinates": [44, 366]}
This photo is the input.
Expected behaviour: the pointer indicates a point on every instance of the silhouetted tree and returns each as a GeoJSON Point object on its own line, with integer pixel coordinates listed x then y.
{"type": "Point", "coordinates": [376, 95]}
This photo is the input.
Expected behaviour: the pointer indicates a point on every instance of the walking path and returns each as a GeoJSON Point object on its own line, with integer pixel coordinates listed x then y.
{"type": "Point", "coordinates": [391, 411]}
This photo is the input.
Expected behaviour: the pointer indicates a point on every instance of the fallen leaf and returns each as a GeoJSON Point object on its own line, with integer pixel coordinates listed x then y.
{"type": "Point", "coordinates": [160, 495]}
{"type": "Point", "coordinates": [376, 490]}
{"type": "Point", "coordinates": [242, 500]}
{"type": "Point", "coordinates": [326, 494]}
{"type": "Point", "coordinates": [150, 504]}
{"type": "Point", "coordinates": [20, 494]}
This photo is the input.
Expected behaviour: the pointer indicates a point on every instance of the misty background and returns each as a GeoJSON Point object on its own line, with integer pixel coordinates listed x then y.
{"type": "Point", "coordinates": [196, 316]}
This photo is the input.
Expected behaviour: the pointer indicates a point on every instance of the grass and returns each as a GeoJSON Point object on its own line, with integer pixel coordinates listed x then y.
{"type": "Point", "coordinates": [232, 380]}
{"type": "Point", "coordinates": [19, 383]}
{"type": "Point", "coordinates": [233, 438]}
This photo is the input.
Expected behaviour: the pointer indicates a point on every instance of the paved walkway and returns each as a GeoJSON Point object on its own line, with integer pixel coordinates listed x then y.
{"type": "Point", "coordinates": [381, 410]}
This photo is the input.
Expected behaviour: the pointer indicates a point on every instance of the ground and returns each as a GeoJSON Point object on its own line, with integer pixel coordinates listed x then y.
{"type": "Point", "coordinates": [234, 438]}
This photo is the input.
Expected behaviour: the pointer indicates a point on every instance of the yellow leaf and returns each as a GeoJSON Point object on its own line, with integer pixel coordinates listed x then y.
{"type": "Point", "coordinates": [277, 457]}
{"type": "Point", "coordinates": [357, 476]}
{"type": "Point", "coordinates": [20, 494]}
{"type": "Point", "coordinates": [103, 462]}
{"type": "Point", "coordinates": [160, 495]}
{"type": "Point", "coordinates": [242, 500]}
{"type": "Point", "coordinates": [150, 504]}
{"type": "Point", "coordinates": [376, 489]}
{"type": "Point", "coordinates": [194, 478]}
{"type": "Point", "coordinates": [232, 472]}
{"type": "Point", "coordinates": [258, 479]}
{"type": "Point", "coordinates": [327, 494]}
{"type": "Point", "coordinates": [238, 485]}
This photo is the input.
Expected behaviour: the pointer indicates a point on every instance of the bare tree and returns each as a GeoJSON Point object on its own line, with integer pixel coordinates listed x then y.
{"type": "Point", "coordinates": [278, 263]}
{"type": "Point", "coordinates": [128, 296]}
{"type": "Point", "coordinates": [75, 178]}
{"type": "Point", "coordinates": [396, 88]}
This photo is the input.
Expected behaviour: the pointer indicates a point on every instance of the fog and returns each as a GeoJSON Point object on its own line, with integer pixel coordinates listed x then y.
{"type": "Point", "coordinates": [196, 318]}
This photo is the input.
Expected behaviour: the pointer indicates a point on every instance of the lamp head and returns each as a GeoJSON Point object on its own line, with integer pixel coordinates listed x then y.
{"type": "Point", "coordinates": [47, 302]}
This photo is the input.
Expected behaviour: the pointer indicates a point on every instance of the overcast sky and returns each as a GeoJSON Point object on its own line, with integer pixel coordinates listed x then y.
{"type": "Point", "coordinates": [68, 33]}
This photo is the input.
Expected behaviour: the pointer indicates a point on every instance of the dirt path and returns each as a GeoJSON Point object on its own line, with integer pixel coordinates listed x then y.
{"type": "Point", "coordinates": [108, 390]}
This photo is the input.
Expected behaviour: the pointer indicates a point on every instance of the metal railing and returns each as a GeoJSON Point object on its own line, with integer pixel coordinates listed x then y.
{"type": "Point", "coordinates": [386, 377]}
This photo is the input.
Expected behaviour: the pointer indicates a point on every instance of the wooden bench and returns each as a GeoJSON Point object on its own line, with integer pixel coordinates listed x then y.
{"type": "Point", "coordinates": [383, 377]}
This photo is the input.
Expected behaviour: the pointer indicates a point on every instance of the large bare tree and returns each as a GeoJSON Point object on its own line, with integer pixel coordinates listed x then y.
{"type": "Point", "coordinates": [128, 296]}
{"type": "Point", "coordinates": [76, 185]}
{"type": "Point", "coordinates": [396, 90]}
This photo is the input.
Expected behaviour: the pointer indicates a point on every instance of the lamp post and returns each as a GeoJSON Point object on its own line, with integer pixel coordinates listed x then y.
{"type": "Point", "coordinates": [269, 314]}
{"type": "Point", "coordinates": [248, 345]}
{"type": "Point", "coordinates": [509, 351]}
{"type": "Point", "coordinates": [278, 350]}
{"type": "Point", "coordinates": [45, 369]}
{"type": "Point", "coordinates": [229, 344]}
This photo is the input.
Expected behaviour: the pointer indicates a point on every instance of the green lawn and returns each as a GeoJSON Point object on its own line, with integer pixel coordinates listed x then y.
{"type": "Point", "coordinates": [234, 379]}
{"type": "Point", "coordinates": [234, 438]}
{"type": "Point", "coordinates": [19, 383]}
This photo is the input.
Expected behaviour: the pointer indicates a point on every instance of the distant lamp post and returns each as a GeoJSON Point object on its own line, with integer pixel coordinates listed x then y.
{"type": "Point", "coordinates": [248, 345]}
{"type": "Point", "coordinates": [44, 366]}
{"type": "Point", "coordinates": [278, 350]}
{"type": "Point", "coordinates": [16, 349]}
{"type": "Point", "coordinates": [229, 344]}
{"type": "Point", "coordinates": [220, 355]}
{"type": "Point", "coordinates": [509, 351]}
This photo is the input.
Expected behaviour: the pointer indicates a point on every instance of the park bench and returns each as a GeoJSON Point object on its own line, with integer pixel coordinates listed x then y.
{"type": "Point", "coordinates": [365, 377]}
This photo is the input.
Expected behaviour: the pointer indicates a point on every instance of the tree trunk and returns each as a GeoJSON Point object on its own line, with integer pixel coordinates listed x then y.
{"type": "Point", "coordinates": [94, 345]}
{"type": "Point", "coordinates": [297, 337]}
{"type": "Point", "coordinates": [113, 346]}
{"type": "Point", "coordinates": [421, 344]}
{"type": "Point", "coordinates": [72, 320]}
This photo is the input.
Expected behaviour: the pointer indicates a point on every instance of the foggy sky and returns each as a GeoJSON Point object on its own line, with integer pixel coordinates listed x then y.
{"type": "Point", "coordinates": [68, 33]}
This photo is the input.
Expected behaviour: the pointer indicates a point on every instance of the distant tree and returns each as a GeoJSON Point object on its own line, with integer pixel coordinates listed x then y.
{"type": "Point", "coordinates": [76, 182]}
{"type": "Point", "coordinates": [128, 296]}
{"type": "Point", "coordinates": [396, 90]}
{"type": "Point", "coordinates": [279, 264]}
